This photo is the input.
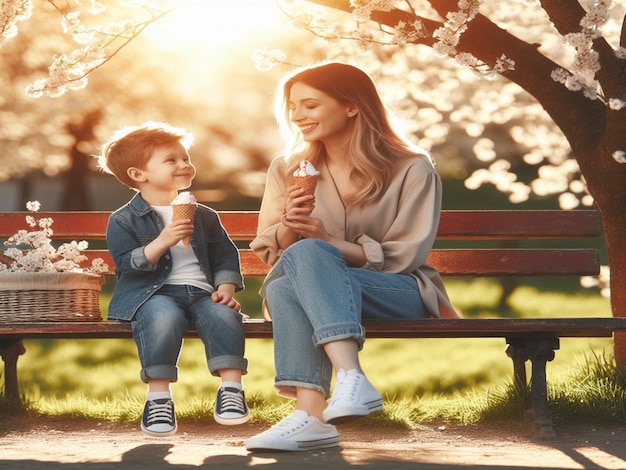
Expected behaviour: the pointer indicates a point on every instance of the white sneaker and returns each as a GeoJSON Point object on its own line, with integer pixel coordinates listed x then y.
{"type": "Point", "coordinates": [354, 397]}
{"type": "Point", "coordinates": [297, 432]}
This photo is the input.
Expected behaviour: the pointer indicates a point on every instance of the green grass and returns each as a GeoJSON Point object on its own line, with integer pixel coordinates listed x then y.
{"type": "Point", "coordinates": [422, 380]}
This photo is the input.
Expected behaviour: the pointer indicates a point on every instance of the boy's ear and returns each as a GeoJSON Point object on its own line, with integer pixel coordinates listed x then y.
{"type": "Point", "coordinates": [135, 174]}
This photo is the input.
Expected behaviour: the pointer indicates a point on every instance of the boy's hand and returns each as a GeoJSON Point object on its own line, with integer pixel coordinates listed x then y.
{"type": "Point", "coordinates": [175, 232]}
{"type": "Point", "coordinates": [169, 236]}
{"type": "Point", "coordinates": [225, 298]}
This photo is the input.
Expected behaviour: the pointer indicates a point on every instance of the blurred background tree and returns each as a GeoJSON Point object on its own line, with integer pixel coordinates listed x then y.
{"type": "Point", "coordinates": [191, 67]}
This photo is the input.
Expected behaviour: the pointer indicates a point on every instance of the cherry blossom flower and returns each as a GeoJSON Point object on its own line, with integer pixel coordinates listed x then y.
{"type": "Point", "coordinates": [33, 251]}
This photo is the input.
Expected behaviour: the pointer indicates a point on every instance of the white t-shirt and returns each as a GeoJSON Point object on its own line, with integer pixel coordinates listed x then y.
{"type": "Point", "coordinates": [185, 264]}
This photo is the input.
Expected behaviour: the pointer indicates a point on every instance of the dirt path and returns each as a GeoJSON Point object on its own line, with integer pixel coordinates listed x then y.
{"type": "Point", "coordinates": [54, 444]}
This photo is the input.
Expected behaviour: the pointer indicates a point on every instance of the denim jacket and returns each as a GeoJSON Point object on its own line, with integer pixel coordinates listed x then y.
{"type": "Point", "coordinates": [134, 225]}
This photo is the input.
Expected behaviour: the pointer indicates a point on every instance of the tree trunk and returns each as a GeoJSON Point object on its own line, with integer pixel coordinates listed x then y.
{"type": "Point", "coordinates": [75, 192]}
{"type": "Point", "coordinates": [606, 180]}
{"type": "Point", "coordinates": [614, 221]}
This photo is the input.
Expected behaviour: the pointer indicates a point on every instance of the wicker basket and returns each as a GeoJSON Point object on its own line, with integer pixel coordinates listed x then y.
{"type": "Point", "coordinates": [28, 297]}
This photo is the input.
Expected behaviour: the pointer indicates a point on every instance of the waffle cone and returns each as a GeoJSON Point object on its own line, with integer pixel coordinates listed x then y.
{"type": "Point", "coordinates": [307, 183]}
{"type": "Point", "coordinates": [184, 211]}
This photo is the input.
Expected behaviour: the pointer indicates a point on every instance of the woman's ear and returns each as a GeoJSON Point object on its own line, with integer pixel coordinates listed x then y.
{"type": "Point", "coordinates": [352, 111]}
{"type": "Point", "coordinates": [135, 174]}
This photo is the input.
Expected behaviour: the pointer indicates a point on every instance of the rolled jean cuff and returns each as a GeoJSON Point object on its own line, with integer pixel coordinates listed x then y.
{"type": "Point", "coordinates": [339, 331]}
{"type": "Point", "coordinates": [160, 372]}
{"type": "Point", "coordinates": [287, 388]}
{"type": "Point", "coordinates": [227, 362]}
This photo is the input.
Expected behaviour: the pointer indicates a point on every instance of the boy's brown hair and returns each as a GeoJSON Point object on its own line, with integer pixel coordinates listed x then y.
{"type": "Point", "coordinates": [133, 146]}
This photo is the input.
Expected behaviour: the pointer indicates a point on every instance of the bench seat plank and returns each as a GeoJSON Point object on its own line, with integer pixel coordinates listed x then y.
{"type": "Point", "coordinates": [389, 328]}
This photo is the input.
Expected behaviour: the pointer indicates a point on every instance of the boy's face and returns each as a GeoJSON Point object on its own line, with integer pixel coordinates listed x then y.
{"type": "Point", "coordinates": [169, 168]}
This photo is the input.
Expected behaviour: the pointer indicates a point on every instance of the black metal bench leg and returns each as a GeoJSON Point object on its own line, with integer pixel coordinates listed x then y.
{"type": "Point", "coordinates": [518, 352]}
{"type": "Point", "coordinates": [519, 374]}
{"type": "Point", "coordinates": [539, 352]}
{"type": "Point", "coordinates": [542, 352]}
{"type": "Point", "coordinates": [10, 351]}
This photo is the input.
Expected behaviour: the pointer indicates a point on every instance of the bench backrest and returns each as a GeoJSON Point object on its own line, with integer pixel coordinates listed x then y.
{"type": "Point", "coordinates": [497, 259]}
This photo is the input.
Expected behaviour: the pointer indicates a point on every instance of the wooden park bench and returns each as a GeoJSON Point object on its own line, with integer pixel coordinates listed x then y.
{"type": "Point", "coordinates": [527, 339]}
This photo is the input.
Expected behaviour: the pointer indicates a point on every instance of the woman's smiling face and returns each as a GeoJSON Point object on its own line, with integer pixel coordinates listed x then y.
{"type": "Point", "coordinates": [319, 116]}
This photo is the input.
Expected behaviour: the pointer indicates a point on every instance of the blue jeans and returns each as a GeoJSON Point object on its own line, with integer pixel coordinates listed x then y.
{"type": "Point", "coordinates": [162, 321]}
{"type": "Point", "coordinates": [315, 298]}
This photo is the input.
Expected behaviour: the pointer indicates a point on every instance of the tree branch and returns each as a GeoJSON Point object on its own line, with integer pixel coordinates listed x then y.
{"type": "Point", "coordinates": [389, 18]}
{"type": "Point", "coordinates": [574, 114]}
{"type": "Point", "coordinates": [567, 16]}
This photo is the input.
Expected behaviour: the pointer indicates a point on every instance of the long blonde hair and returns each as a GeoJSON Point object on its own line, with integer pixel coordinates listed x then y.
{"type": "Point", "coordinates": [374, 146]}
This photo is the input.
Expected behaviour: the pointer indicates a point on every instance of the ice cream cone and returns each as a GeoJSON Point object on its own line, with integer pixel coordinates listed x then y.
{"type": "Point", "coordinates": [307, 183]}
{"type": "Point", "coordinates": [184, 211]}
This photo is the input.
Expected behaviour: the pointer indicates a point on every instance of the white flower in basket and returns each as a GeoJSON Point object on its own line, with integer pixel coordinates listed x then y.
{"type": "Point", "coordinates": [39, 282]}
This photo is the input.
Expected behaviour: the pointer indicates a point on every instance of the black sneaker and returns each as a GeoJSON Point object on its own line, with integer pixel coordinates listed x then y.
{"type": "Point", "coordinates": [159, 418]}
{"type": "Point", "coordinates": [230, 406]}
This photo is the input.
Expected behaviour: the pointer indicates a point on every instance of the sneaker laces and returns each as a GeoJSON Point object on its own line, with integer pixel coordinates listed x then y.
{"type": "Point", "coordinates": [232, 401]}
{"type": "Point", "coordinates": [290, 424]}
{"type": "Point", "coordinates": [346, 386]}
{"type": "Point", "coordinates": [160, 412]}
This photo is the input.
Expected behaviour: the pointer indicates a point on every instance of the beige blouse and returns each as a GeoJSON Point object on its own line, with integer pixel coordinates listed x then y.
{"type": "Point", "coordinates": [396, 232]}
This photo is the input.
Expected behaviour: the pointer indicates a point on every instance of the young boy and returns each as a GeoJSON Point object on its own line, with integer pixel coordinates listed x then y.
{"type": "Point", "coordinates": [163, 287]}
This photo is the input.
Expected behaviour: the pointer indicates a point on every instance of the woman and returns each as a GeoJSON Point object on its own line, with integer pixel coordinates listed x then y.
{"type": "Point", "coordinates": [356, 249]}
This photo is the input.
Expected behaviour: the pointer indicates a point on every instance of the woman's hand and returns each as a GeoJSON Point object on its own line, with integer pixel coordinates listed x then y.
{"type": "Point", "coordinates": [306, 226]}
{"type": "Point", "coordinates": [297, 215]}
{"type": "Point", "coordinates": [312, 227]}
{"type": "Point", "coordinates": [297, 219]}
{"type": "Point", "coordinates": [298, 203]}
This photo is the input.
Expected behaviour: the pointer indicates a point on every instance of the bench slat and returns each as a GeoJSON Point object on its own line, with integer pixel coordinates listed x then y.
{"type": "Point", "coordinates": [516, 262]}
{"type": "Point", "coordinates": [388, 328]}
{"type": "Point", "coordinates": [522, 224]}
{"type": "Point", "coordinates": [467, 262]}
{"type": "Point", "coordinates": [88, 225]}
{"type": "Point", "coordinates": [91, 225]}
{"type": "Point", "coordinates": [454, 225]}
